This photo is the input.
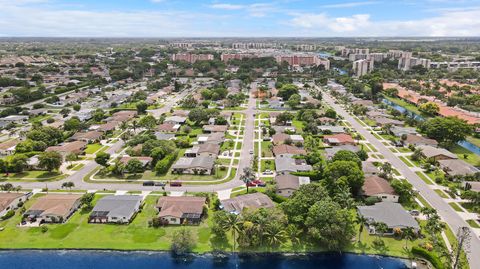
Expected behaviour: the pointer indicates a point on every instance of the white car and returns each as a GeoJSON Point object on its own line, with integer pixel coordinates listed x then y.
{"type": "Point", "coordinates": [268, 172]}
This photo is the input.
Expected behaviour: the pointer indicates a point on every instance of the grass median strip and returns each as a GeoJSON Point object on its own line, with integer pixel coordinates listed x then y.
{"type": "Point", "coordinates": [456, 207]}
{"type": "Point", "coordinates": [424, 178]}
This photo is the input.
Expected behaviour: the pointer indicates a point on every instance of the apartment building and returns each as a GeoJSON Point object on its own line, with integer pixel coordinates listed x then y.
{"type": "Point", "coordinates": [303, 60]}
{"type": "Point", "coordinates": [362, 67]}
{"type": "Point", "coordinates": [192, 58]}
{"type": "Point", "coordinates": [406, 63]}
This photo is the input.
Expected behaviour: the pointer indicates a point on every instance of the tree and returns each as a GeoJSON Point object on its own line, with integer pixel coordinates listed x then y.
{"type": "Point", "coordinates": [448, 130]}
{"type": "Point", "coordinates": [102, 158]}
{"type": "Point", "coordinates": [68, 185]}
{"type": "Point", "coordinates": [182, 241]}
{"type": "Point", "coordinates": [330, 113]}
{"type": "Point", "coordinates": [247, 176]}
{"type": "Point", "coordinates": [409, 235]}
{"type": "Point", "coordinates": [50, 160]}
{"type": "Point", "coordinates": [72, 124]}
{"type": "Point", "coordinates": [284, 117]}
{"type": "Point", "coordinates": [287, 90]}
{"type": "Point", "coordinates": [148, 122]}
{"type": "Point", "coordinates": [380, 228]}
{"type": "Point", "coordinates": [362, 221]}
{"type": "Point", "coordinates": [141, 107]}
{"type": "Point", "coordinates": [294, 101]}
{"type": "Point", "coordinates": [134, 166]}
{"type": "Point", "coordinates": [429, 108]}
{"type": "Point", "coordinates": [386, 170]}
{"type": "Point", "coordinates": [231, 223]}
{"type": "Point", "coordinates": [16, 163]}
{"type": "Point", "coordinates": [76, 107]}
{"type": "Point", "coordinates": [275, 234]}
{"type": "Point", "coordinates": [347, 155]}
{"type": "Point", "coordinates": [330, 224]}
{"type": "Point", "coordinates": [344, 173]}
{"type": "Point", "coordinates": [197, 115]}
{"type": "Point", "coordinates": [71, 157]}
{"type": "Point", "coordinates": [404, 189]}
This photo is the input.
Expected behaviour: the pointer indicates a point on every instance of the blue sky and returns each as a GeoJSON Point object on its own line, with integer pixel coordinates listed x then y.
{"type": "Point", "coordinates": [235, 18]}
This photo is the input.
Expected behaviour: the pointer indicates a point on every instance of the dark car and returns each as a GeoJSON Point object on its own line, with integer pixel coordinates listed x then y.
{"type": "Point", "coordinates": [148, 183]}
{"type": "Point", "coordinates": [175, 184]}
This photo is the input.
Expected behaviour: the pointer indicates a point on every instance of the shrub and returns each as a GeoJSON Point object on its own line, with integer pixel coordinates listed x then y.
{"type": "Point", "coordinates": [372, 200]}
{"type": "Point", "coordinates": [429, 256]}
{"type": "Point", "coordinates": [183, 242]}
{"type": "Point", "coordinates": [8, 215]}
{"type": "Point", "coordinates": [44, 229]}
{"type": "Point", "coordinates": [163, 165]}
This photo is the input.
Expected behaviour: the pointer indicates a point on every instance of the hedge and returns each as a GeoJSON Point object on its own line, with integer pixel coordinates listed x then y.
{"type": "Point", "coordinates": [163, 165]}
{"type": "Point", "coordinates": [8, 215]}
{"type": "Point", "coordinates": [429, 256]}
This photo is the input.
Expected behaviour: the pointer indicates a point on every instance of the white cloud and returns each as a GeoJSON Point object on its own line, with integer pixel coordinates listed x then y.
{"type": "Point", "coordinates": [254, 10]}
{"type": "Point", "coordinates": [350, 4]}
{"type": "Point", "coordinates": [227, 6]}
{"type": "Point", "coordinates": [335, 25]}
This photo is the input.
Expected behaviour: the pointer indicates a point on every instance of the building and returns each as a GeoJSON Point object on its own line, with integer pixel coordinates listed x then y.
{"type": "Point", "coordinates": [225, 57]}
{"type": "Point", "coordinates": [339, 139]}
{"type": "Point", "coordinates": [287, 184]}
{"type": "Point", "coordinates": [330, 152]}
{"type": "Point", "coordinates": [214, 128]}
{"type": "Point", "coordinates": [279, 150]}
{"type": "Point", "coordinates": [375, 186]}
{"type": "Point", "coordinates": [392, 214]}
{"type": "Point", "coordinates": [89, 137]}
{"type": "Point", "coordinates": [362, 67]}
{"type": "Point", "coordinates": [53, 208]}
{"type": "Point", "coordinates": [192, 58]}
{"type": "Point", "coordinates": [406, 63]}
{"type": "Point", "coordinates": [145, 160]}
{"type": "Point", "coordinates": [115, 209]}
{"type": "Point", "coordinates": [204, 150]}
{"type": "Point", "coordinates": [200, 165]}
{"type": "Point", "coordinates": [168, 128]}
{"type": "Point", "coordinates": [181, 210]}
{"type": "Point", "coordinates": [15, 119]}
{"type": "Point", "coordinates": [436, 153]}
{"type": "Point", "coordinates": [8, 147]}
{"type": "Point", "coordinates": [417, 140]}
{"type": "Point", "coordinates": [175, 120]}
{"type": "Point", "coordinates": [285, 164]}
{"type": "Point", "coordinates": [75, 147]}
{"type": "Point", "coordinates": [303, 60]}
{"type": "Point", "coordinates": [11, 201]}
{"type": "Point", "coordinates": [456, 167]}
{"type": "Point", "coordinates": [251, 201]}
{"type": "Point", "coordinates": [369, 168]}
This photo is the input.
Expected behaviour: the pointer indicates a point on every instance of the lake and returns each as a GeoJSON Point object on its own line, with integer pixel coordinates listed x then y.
{"type": "Point", "coordinates": [29, 259]}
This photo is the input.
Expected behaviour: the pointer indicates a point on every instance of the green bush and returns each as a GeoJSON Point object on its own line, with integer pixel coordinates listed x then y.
{"type": "Point", "coordinates": [429, 256]}
{"type": "Point", "coordinates": [8, 215]}
{"type": "Point", "coordinates": [163, 165]}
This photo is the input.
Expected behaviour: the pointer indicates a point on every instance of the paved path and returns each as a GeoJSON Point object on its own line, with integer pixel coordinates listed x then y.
{"type": "Point", "coordinates": [444, 210]}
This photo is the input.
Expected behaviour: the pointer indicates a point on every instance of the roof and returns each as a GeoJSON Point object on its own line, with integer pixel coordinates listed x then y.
{"type": "Point", "coordinates": [176, 119]}
{"type": "Point", "coordinates": [286, 163]}
{"type": "Point", "coordinates": [143, 159]}
{"type": "Point", "coordinates": [197, 162]}
{"type": "Point", "coordinates": [330, 152]}
{"type": "Point", "coordinates": [333, 129]}
{"type": "Point", "coordinates": [399, 130]}
{"type": "Point", "coordinates": [163, 136]}
{"type": "Point", "coordinates": [108, 126]}
{"type": "Point", "coordinates": [455, 167]}
{"type": "Point", "coordinates": [289, 181]}
{"type": "Point", "coordinates": [215, 128]}
{"type": "Point", "coordinates": [420, 140]}
{"type": "Point", "coordinates": [279, 138]}
{"type": "Point", "coordinates": [342, 138]}
{"type": "Point", "coordinates": [389, 213]}
{"type": "Point", "coordinates": [54, 204]}
{"type": "Point", "coordinates": [288, 149]}
{"type": "Point", "coordinates": [179, 206]}
{"type": "Point", "coordinates": [182, 113]}
{"type": "Point", "coordinates": [10, 144]}
{"type": "Point", "coordinates": [6, 198]}
{"type": "Point", "coordinates": [429, 152]}
{"type": "Point", "coordinates": [252, 201]}
{"type": "Point", "coordinates": [169, 127]}
{"type": "Point", "coordinates": [75, 147]}
{"type": "Point", "coordinates": [384, 120]}
{"type": "Point", "coordinates": [369, 168]}
{"type": "Point", "coordinates": [210, 148]}
{"type": "Point", "coordinates": [375, 185]}
{"type": "Point", "coordinates": [91, 135]}
{"type": "Point", "coordinates": [117, 205]}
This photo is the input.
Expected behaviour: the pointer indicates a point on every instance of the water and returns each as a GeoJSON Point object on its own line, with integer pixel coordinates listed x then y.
{"type": "Point", "coordinates": [465, 144]}
{"type": "Point", "coordinates": [28, 259]}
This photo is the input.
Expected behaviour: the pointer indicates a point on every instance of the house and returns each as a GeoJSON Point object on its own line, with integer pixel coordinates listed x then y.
{"type": "Point", "coordinates": [213, 138]}
{"type": "Point", "coordinates": [109, 126]}
{"type": "Point", "coordinates": [251, 201]}
{"type": "Point", "coordinates": [164, 136]}
{"type": "Point", "coordinates": [329, 129]}
{"type": "Point", "coordinates": [382, 121]}
{"type": "Point", "coordinates": [181, 113]}
{"type": "Point", "coordinates": [417, 140]}
{"type": "Point", "coordinates": [392, 214]}
{"type": "Point", "coordinates": [76, 147]}
{"type": "Point", "coordinates": [284, 129]}
{"type": "Point", "coordinates": [297, 139]}
{"type": "Point", "coordinates": [181, 210]}
{"type": "Point", "coordinates": [124, 115]}
{"type": "Point", "coordinates": [206, 150]}
{"type": "Point", "coordinates": [279, 138]}
{"type": "Point", "coordinates": [287, 184]}
{"type": "Point", "coordinates": [286, 163]}
{"type": "Point", "coordinates": [399, 131]}
{"type": "Point", "coordinates": [338, 139]}
{"type": "Point", "coordinates": [143, 159]}
{"type": "Point", "coordinates": [215, 128]}
{"type": "Point", "coordinates": [115, 209]}
{"type": "Point", "coordinates": [89, 137]}
{"type": "Point", "coordinates": [361, 102]}
{"type": "Point", "coordinates": [279, 150]}
{"type": "Point", "coordinates": [168, 128]}
{"type": "Point", "coordinates": [84, 114]}
{"type": "Point", "coordinates": [11, 201]}
{"type": "Point", "coordinates": [199, 165]}
{"type": "Point", "coordinates": [456, 167]}
{"type": "Point", "coordinates": [326, 120]}
{"type": "Point", "coordinates": [369, 168]}
{"type": "Point", "coordinates": [436, 153]}
{"type": "Point", "coordinates": [375, 186]}
{"type": "Point", "coordinates": [330, 152]}
{"type": "Point", "coordinates": [16, 119]}
{"type": "Point", "coordinates": [8, 147]}
{"type": "Point", "coordinates": [33, 162]}
{"type": "Point", "coordinates": [53, 208]}
{"type": "Point", "coordinates": [175, 120]}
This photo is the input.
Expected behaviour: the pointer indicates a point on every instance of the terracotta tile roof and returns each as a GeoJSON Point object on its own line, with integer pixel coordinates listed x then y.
{"type": "Point", "coordinates": [375, 185]}
{"type": "Point", "coordinates": [7, 198]}
{"type": "Point", "coordinates": [55, 204]}
{"type": "Point", "coordinates": [287, 149]}
{"type": "Point", "coordinates": [178, 206]}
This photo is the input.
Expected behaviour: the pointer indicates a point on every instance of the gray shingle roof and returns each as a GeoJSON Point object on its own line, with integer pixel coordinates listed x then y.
{"type": "Point", "coordinates": [118, 205]}
{"type": "Point", "coordinates": [389, 213]}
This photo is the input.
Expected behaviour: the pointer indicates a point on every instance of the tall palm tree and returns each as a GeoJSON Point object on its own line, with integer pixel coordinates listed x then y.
{"type": "Point", "coordinates": [232, 223]}
{"type": "Point", "coordinates": [408, 234]}
{"type": "Point", "coordinates": [380, 228]}
{"type": "Point", "coordinates": [275, 234]}
{"type": "Point", "coordinates": [247, 176]}
{"type": "Point", "coordinates": [362, 221]}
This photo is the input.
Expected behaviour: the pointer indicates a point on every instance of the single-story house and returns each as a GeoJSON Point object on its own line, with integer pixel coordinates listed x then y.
{"type": "Point", "coordinates": [326, 120]}
{"type": "Point", "coordinates": [392, 214]}
{"type": "Point", "coordinates": [284, 129]}
{"type": "Point", "coordinates": [297, 139]}
{"type": "Point", "coordinates": [10, 201]}
{"type": "Point", "coordinates": [362, 102]}
{"type": "Point", "coordinates": [251, 201]}
{"type": "Point", "coordinates": [338, 139]}
{"type": "Point", "coordinates": [417, 140]}
{"type": "Point", "coordinates": [181, 113]}
{"type": "Point", "coordinates": [168, 127]}
{"type": "Point", "coordinates": [213, 138]}
{"type": "Point", "coordinates": [175, 120]}
{"type": "Point", "coordinates": [369, 168]}
{"type": "Point", "coordinates": [181, 210]}
{"type": "Point", "coordinates": [8, 147]}
{"type": "Point", "coordinates": [330, 129]}
{"type": "Point", "coordinates": [164, 136]}
{"type": "Point", "coordinates": [199, 165]}
{"type": "Point", "coordinates": [145, 160]}
{"type": "Point", "coordinates": [215, 128]}
{"type": "Point", "coordinates": [436, 153]}
{"type": "Point", "coordinates": [109, 126]}
{"type": "Point", "coordinates": [375, 186]}
{"type": "Point", "coordinates": [76, 147]}
{"type": "Point", "coordinates": [279, 150]}
{"type": "Point", "coordinates": [456, 167]}
{"type": "Point", "coordinates": [206, 150]}
{"type": "Point", "coordinates": [53, 208]}
{"type": "Point", "coordinates": [33, 162]}
{"type": "Point", "coordinates": [279, 138]}
{"type": "Point", "coordinates": [124, 115]}
{"type": "Point", "coordinates": [398, 131]}
{"type": "Point", "coordinates": [287, 184]}
{"type": "Point", "coordinates": [330, 152]}
{"type": "Point", "coordinates": [382, 121]}
{"type": "Point", "coordinates": [115, 209]}
{"type": "Point", "coordinates": [89, 137]}
{"type": "Point", "coordinates": [286, 163]}
{"type": "Point", "coordinates": [17, 119]}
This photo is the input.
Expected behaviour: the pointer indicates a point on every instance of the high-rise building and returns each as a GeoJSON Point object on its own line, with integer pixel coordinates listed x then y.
{"type": "Point", "coordinates": [303, 60]}
{"type": "Point", "coordinates": [237, 56]}
{"type": "Point", "coordinates": [362, 67]}
{"type": "Point", "coordinates": [406, 63]}
{"type": "Point", "coordinates": [192, 58]}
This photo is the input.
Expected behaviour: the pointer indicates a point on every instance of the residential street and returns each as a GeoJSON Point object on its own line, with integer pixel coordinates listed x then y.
{"type": "Point", "coordinates": [448, 214]}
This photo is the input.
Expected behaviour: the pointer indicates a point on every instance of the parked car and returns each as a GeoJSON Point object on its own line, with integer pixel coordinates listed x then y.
{"type": "Point", "coordinates": [268, 172]}
{"type": "Point", "coordinates": [175, 184]}
{"type": "Point", "coordinates": [251, 184]}
{"type": "Point", "coordinates": [160, 184]}
{"type": "Point", "coordinates": [148, 183]}
{"type": "Point", "coordinates": [259, 183]}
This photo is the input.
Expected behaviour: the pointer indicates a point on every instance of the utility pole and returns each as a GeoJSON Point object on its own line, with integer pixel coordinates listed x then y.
{"type": "Point", "coordinates": [463, 236]}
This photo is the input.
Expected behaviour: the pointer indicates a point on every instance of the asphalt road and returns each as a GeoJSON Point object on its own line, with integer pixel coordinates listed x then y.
{"type": "Point", "coordinates": [446, 212]}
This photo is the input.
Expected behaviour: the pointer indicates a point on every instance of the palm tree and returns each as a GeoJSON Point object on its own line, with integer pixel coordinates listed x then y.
{"type": "Point", "coordinates": [274, 234]}
{"type": "Point", "coordinates": [232, 223]}
{"type": "Point", "coordinates": [247, 176]}
{"type": "Point", "coordinates": [381, 228]}
{"type": "Point", "coordinates": [408, 234]}
{"type": "Point", "coordinates": [362, 221]}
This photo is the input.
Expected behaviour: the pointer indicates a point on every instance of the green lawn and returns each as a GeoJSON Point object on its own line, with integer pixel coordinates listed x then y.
{"type": "Point", "coordinates": [424, 178]}
{"type": "Point", "coordinates": [267, 164]}
{"type": "Point", "coordinates": [92, 148]}
{"type": "Point", "coordinates": [404, 150]}
{"type": "Point", "coordinates": [472, 158]}
{"type": "Point", "coordinates": [405, 104]}
{"type": "Point", "coordinates": [33, 175]}
{"type": "Point", "coordinates": [405, 160]}
{"type": "Point", "coordinates": [473, 223]}
{"type": "Point", "coordinates": [456, 207]}
{"type": "Point", "coordinates": [441, 193]}
{"type": "Point", "coordinates": [298, 126]}
{"type": "Point", "coordinates": [474, 140]}
{"type": "Point", "coordinates": [266, 152]}
{"type": "Point", "coordinates": [78, 167]}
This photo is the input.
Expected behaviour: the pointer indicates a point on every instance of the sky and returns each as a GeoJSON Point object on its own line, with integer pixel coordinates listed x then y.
{"type": "Point", "coordinates": [235, 18]}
